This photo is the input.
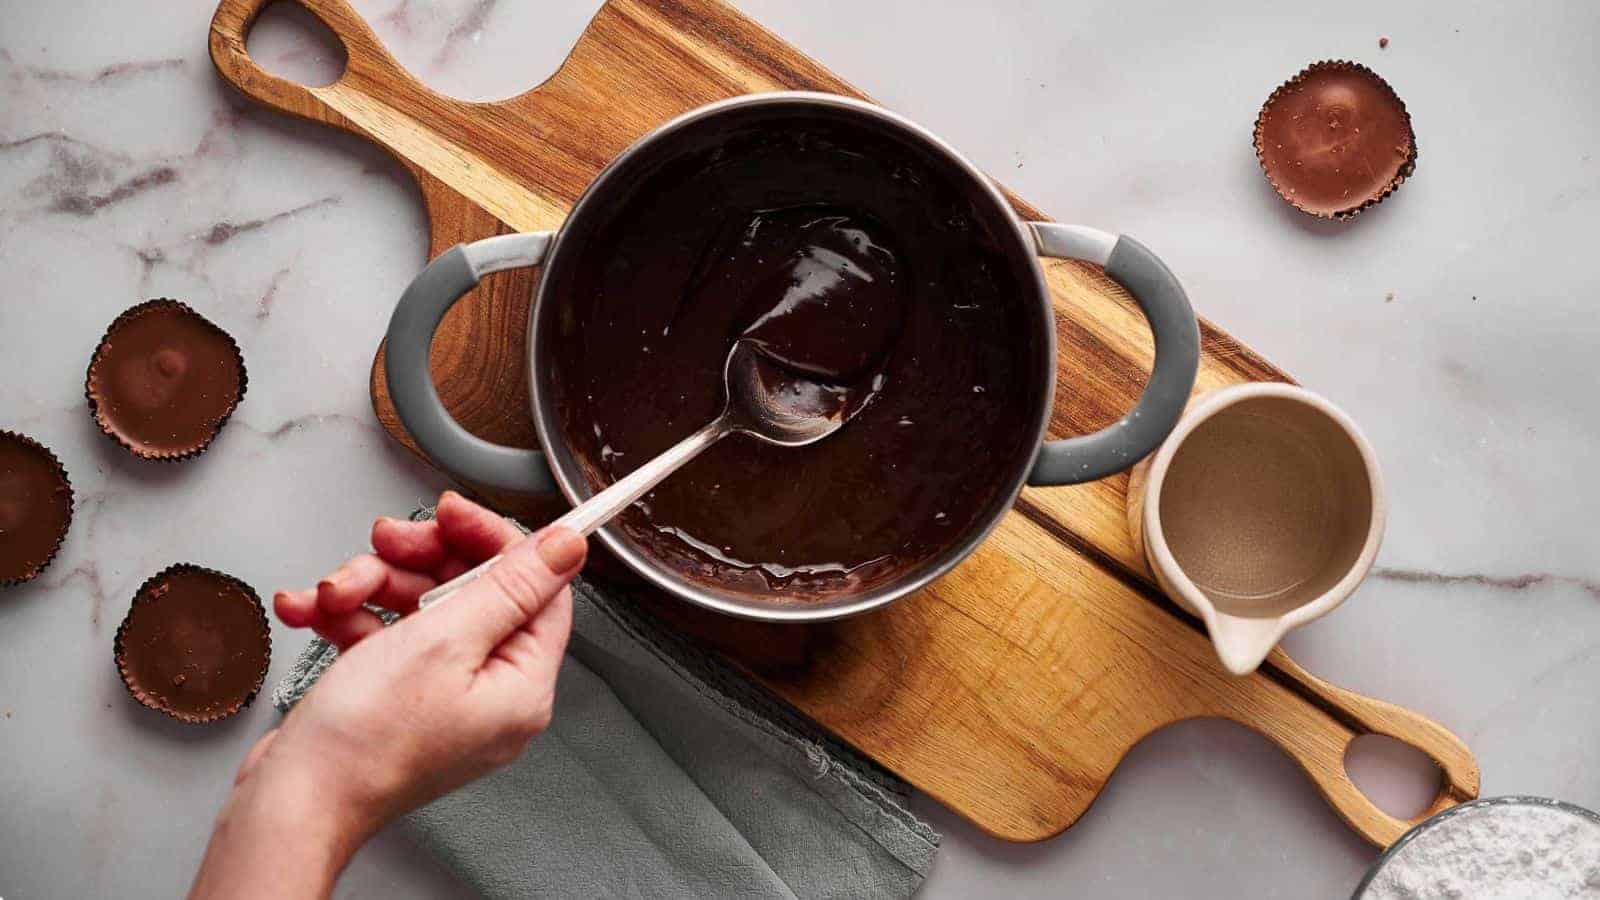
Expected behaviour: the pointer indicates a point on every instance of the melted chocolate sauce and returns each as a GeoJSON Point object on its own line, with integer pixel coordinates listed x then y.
{"type": "Point", "coordinates": [826, 292]}
{"type": "Point", "coordinates": [854, 260]}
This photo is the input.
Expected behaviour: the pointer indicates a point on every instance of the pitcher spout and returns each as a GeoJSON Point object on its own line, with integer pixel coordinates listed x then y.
{"type": "Point", "coordinates": [1243, 642]}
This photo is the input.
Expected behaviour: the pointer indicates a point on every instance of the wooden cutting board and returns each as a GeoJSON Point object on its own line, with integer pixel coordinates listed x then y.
{"type": "Point", "coordinates": [1011, 688]}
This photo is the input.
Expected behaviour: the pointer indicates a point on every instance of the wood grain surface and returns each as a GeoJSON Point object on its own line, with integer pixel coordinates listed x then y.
{"type": "Point", "coordinates": [1011, 688]}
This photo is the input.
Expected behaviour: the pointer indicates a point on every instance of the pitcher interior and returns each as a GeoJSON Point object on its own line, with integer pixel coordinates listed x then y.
{"type": "Point", "coordinates": [1266, 505]}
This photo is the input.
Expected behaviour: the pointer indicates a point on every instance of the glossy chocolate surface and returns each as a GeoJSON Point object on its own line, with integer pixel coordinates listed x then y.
{"type": "Point", "coordinates": [195, 644]}
{"type": "Point", "coordinates": [164, 379]}
{"type": "Point", "coordinates": [35, 507]}
{"type": "Point", "coordinates": [855, 259]}
{"type": "Point", "coordinates": [1334, 139]}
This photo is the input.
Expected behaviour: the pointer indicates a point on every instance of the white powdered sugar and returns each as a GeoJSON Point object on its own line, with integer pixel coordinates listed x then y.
{"type": "Point", "coordinates": [1496, 851]}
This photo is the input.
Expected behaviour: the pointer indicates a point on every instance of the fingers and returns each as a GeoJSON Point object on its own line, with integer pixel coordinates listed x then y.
{"type": "Point", "coordinates": [296, 609]}
{"type": "Point", "coordinates": [335, 608]}
{"type": "Point", "coordinates": [347, 630]}
{"type": "Point", "coordinates": [463, 534]}
{"type": "Point", "coordinates": [450, 570]}
{"type": "Point", "coordinates": [511, 594]}
{"type": "Point", "coordinates": [418, 546]}
{"type": "Point", "coordinates": [471, 531]}
{"type": "Point", "coordinates": [368, 579]}
{"type": "Point", "coordinates": [461, 531]}
{"type": "Point", "coordinates": [414, 545]}
{"type": "Point", "coordinates": [300, 609]}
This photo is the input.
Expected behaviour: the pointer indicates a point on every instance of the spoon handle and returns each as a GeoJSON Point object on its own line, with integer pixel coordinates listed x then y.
{"type": "Point", "coordinates": [589, 515]}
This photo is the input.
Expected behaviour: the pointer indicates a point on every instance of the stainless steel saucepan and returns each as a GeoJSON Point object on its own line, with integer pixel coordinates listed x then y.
{"type": "Point", "coordinates": [1069, 461]}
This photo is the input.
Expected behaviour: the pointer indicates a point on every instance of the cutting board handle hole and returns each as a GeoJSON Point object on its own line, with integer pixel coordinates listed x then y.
{"type": "Point", "coordinates": [293, 44]}
{"type": "Point", "coordinates": [1397, 777]}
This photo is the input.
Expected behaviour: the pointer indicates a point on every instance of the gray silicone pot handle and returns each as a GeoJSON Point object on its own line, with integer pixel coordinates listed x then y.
{"type": "Point", "coordinates": [1177, 337]}
{"type": "Point", "coordinates": [410, 336]}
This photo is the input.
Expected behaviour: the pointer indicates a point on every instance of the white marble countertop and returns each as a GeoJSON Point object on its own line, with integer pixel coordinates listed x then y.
{"type": "Point", "coordinates": [1456, 322]}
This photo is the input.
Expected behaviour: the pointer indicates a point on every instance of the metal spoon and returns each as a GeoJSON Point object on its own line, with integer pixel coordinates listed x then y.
{"type": "Point", "coordinates": [765, 400]}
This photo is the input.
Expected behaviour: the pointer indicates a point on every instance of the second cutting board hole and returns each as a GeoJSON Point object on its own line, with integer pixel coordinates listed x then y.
{"type": "Point", "coordinates": [294, 44]}
{"type": "Point", "coordinates": [1396, 776]}
{"type": "Point", "coordinates": [478, 50]}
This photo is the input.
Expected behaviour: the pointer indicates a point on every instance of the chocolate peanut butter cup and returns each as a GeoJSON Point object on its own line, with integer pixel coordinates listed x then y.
{"type": "Point", "coordinates": [35, 507]}
{"type": "Point", "coordinates": [195, 644]}
{"type": "Point", "coordinates": [164, 380]}
{"type": "Point", "coordinates": [1335, 139]}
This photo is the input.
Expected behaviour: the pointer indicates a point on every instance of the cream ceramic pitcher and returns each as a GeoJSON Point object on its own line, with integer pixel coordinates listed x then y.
{"type": "Point", "coordinates": [1262, 511]}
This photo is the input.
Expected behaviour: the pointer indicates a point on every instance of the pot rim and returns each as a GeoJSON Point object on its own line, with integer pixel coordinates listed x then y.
{"type": "Point", "coordinates": [576, 489]}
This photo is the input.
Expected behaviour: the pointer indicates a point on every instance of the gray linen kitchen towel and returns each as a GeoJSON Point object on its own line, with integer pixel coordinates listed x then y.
{"type": "Point", "coordinates": [665, 773]}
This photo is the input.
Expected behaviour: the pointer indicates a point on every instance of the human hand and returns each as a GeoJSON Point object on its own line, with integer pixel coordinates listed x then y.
{"type": "Point", "coordinates": [413, 710]}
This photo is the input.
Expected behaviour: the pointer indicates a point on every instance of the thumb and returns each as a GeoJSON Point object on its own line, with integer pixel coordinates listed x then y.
{"type": "Point", "coordinates": [514, 590]}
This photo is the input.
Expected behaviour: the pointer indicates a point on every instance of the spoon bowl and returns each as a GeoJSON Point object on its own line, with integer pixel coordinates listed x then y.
{"type": "Point", "coordinates": [765, 399]}
{"type": "Point", "coordinates": [775, 404]}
